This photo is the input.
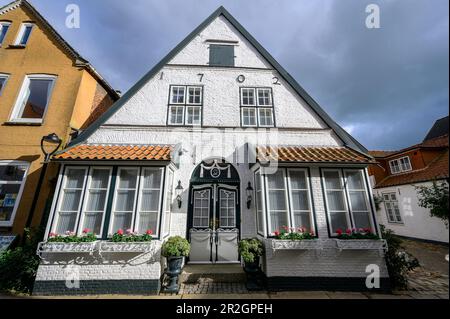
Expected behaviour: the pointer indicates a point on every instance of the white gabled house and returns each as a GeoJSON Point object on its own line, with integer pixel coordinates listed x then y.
{"type": "Point", "coordinates": [220, 119]}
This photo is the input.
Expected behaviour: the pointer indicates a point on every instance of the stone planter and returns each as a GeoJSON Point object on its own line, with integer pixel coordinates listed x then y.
{"type": "Point", "coordinates": [173, 270]}
{"type": "Point", "coordinates": [305, 244]}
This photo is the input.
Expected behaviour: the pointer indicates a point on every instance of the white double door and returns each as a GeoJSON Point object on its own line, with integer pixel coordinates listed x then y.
{"type": "Point", "coordinates": [214, 218]}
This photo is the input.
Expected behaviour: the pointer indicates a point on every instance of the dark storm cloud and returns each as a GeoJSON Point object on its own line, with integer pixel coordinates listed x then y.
{"type": "Point", "coordinates": [386, 86]}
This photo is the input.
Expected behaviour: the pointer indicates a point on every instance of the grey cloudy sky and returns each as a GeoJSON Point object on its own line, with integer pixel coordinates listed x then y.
{"type": "Point", "coordinates": [386, 86]}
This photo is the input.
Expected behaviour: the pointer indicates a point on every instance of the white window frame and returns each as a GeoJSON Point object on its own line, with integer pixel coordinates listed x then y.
{"type": "Point", "coordinates": [20, 101]}
{"type": "Point", "coordinates": [182, 112]}
{"type": "Point", "coordinates": [342, 185]}
{"type": "Point", "coordinates": [210, 191]}
{"type": "Point", "coordinates": [140, 190]}
{"type": "Point", "coordinates": [193, 107]}
{"type": "Point", "coordinates": [188, 94]}
{"type": "Point", "coordinates": [309, 196]}
{"type": "Point", "coordinates": [114, 203]}
{"type": "Point", "coordinates": [259, 109]}
{"type": "Point", "coordinates": [286, 199]}
{"type": "Point", "coordinates": [86, 197]}
{"type": "Point", "coordinates": [61, 196]}
{"type": "Point", "coordinates": [10, 222]}
{"type": "Point", "coordinates": [21, 33]}
{"type": "Point", "coordinates": [5, 77]}
{"type": "Point", "coordinates": [391, 203]}
{"type": "Point", "coordinates": [227, 217]}
{"type": "Point", "coordinates": [167, 201]}
{"type": "Point", "coordinates": [400, 165]}
{"type": "Point", "coordinates": [256, 116]}
{"type": "Point", "coordinates": [263, 208]}
{"type": "Point", "coordinates": [366, 197]}
{"type": "Point", "coordinates": [242, 96]}
{"type": "Point", "coordinates": [3, 24]}
{"type": "Point", "coordinates": [270, 97]}
{"type": "Point", "coordinates": [172, 94]}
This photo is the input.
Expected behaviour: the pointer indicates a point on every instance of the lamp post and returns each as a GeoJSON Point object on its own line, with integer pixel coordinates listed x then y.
{"type": "Point", "coordinates": [178, 191]}
{"type": "Point", "coordinates": [51, 139]}
{"type": "Point", "coordinates": [249, 192]}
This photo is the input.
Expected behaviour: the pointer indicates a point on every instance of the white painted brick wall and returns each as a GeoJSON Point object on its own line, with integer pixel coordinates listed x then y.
{"type": "Point", "coordinates": [109, 266]}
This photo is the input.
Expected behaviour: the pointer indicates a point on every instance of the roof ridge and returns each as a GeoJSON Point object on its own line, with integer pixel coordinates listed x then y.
{"type": "Point", "coordinates": [339, 131]}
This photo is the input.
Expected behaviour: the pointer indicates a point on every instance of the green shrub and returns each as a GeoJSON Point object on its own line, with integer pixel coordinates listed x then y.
{"type": "Point", "coordinates": [18, 266]}
{"type": "Point", "coordinates": [435, 198]}
{"type": "Point", "coordinates": [250, 249]}
{"type": "Point", "coordinates": [398, 261]}
{"type": "Point", "coordinates": [176, 246]}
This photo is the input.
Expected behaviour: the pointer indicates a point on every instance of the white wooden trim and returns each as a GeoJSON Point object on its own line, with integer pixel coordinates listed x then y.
{"type": "Point", "coordinates": [21, 32]}
{"type": "Point", "coordinates": [17, 109]}
{"type": "Point", "coordinates": [55, 201]}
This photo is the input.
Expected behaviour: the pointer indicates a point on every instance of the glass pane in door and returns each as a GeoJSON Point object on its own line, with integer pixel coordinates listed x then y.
{"type": "Point", "coordinates": [227, 208]}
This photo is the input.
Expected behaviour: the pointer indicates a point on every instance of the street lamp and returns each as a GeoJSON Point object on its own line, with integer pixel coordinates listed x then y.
{"type": "Point", "coordinates": [178, 191]}
{"type": "Point", "coordinates": [249, 191]}
{"type": "Point", "coordinates": [52, 139]}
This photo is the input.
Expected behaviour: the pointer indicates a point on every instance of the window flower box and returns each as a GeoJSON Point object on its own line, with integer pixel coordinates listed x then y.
{"type": "Point", "coordinates": [304, 244]}
{"type": "Point", "coordinates": [66, 247]}
{"type": "Point", "coordinates": [361, 244]}
{"type": "Point", "coordinates": [127, 247]}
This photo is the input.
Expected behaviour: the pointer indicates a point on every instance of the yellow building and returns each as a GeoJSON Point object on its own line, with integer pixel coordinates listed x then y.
{"type": "Point", "coordinates": [45, 87]}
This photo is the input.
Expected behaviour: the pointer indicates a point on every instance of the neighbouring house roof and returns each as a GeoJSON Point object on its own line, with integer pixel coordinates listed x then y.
{"type": "Point", "coordinates": [79, 60]}
{"type": "Point", "coordinates": [440, 142]}
{"type": "Point", "coordinates": [116, 152]}
{"type": "Point", "coordinates": [347, 139]}
{"type": "Point", "coordinates": [436, 169]}
{"type": "Point", "coordinates": [297, 154]}
{"type": "Point", "coordinates": [439, 128]}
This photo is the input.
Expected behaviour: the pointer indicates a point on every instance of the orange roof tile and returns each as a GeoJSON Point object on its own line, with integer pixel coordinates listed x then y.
{"type": "Point", "coordinates": [377, 153]}
{"type": "Point", "coordinates": [116, 152]}
{"type": "Point", "coordinates": [437, 169]}
{"type": "Point", "coordinates": [311, 154]}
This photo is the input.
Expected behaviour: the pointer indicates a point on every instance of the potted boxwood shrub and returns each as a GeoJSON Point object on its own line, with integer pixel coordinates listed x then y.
{"type": "Point", "coordinates": [174, 249]}
{"type": "Point", "coordinates": [251, 249]}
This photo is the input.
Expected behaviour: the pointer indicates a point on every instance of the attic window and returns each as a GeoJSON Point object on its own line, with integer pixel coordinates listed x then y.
{"type": "Point", "coordinates": [24, 34]}
{"type": "Point", "coordinates": [221, 55]}
{"type": "Point", "coordinates": [4, 26]}
{"type": "Point", "coordinates": [400, 165]}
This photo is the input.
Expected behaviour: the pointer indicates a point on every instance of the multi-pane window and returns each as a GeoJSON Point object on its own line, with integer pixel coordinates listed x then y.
{"type": "Point", "coordinates": [227, 208]}
{"type": "Point", "coordinates": [95, 199]}
{"type": "Point", "coordinates": [185, 105]}
{"type": "Point", "coordinates": [400, 165]}
{"type": "Point", "coordinates": [257, 107]}
{"type": "Point", "coordinates": [33, 99]}
{"type": "Point", "coordinates": [24, 34]}
{"type": "Point", "coordinates": [84, 198]}
{"type": "Point", "coordinates": [12, 181]}
{"type": "Point", "coordinates": [392, 209]}
{"type": "Point", "coordinates": [201, 208]}
{"type": "Point", "coordinates": [3, 79]}
{"type": "Point", "coordinates": [289, 201]}
{"type": "Point", "coordinates": [4, 26]}
{"type": "Point", "coordinates": [168, 202]}
{"type": "Point", "coordinates": [346, 199]}
{"type": "Point", "coordinates": [259, 203]}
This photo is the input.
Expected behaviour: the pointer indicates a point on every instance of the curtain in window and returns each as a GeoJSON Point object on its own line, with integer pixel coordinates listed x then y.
{"type": "Point", "coordinates": [336, 201]}
{"type": "Point", "coordinates": [278, 212]}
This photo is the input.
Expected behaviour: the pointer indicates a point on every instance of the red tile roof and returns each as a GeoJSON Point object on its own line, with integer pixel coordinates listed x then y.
{"type": "Point", "coordinates": [437, 169]}
{"type": "Point", "coordinates": [381, 153]}
{"type": "Point", "coordinates": [437, 142]}
{"type": "Point", "coordinates": [116, 152]}
{"type": "Point", "coordinates": [311, 154]}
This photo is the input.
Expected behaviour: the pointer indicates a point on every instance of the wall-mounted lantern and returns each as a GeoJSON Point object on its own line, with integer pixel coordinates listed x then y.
{"type": "Point", "coordinates": [178, 191]}
{"type": "Point", "coordinates": [249, 191]}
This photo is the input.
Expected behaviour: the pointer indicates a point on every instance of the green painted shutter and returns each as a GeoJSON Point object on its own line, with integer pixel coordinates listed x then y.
{"type": "Point", "coordinates": [222, 55]}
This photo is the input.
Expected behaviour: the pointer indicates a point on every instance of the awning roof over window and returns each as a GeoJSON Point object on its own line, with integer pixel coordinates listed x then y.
{"type": "Point", "coordinates": [116, 152]}
{"type": "Point", "coordinates": [297, 154]}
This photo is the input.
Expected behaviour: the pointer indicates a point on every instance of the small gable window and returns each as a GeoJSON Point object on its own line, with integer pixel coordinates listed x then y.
{"type": "Point", "coordinates": [400, 165]}
{"type": "Point", "coordinates": [24, 34]}
{"type": "Point", "coordinates": [185, 105]}
{"type": "Point", "coordinates": [4, 26]}
{"type": "Point", "coordinates": [221, 55]}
